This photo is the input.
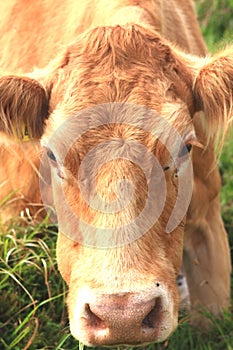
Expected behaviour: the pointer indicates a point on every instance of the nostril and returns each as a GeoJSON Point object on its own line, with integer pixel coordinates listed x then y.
{"type": "Point", "coordinates": [153, 317]}
{"type": "Point", "coordinates": [92, 319]}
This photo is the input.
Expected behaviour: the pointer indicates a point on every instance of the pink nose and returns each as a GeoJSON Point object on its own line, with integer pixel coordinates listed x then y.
{"type": "Point", "coordinates": [122, 319]}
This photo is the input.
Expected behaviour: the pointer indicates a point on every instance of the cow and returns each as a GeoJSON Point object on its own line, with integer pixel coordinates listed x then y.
{"type": "Point", "coordinates": [110, 113]}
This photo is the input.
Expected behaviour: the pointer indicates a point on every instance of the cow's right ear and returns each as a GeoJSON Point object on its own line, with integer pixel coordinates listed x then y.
{"type": "Point", "coordinates": [24, 107]}
{"type": "Point", "coordinates": [213, 91]}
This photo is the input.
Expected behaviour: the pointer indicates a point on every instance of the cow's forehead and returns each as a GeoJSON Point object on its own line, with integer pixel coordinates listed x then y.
{"type": "Point", "coordinates": [122, 66]}
{"type": "Point", "coordinates": [117, 64]}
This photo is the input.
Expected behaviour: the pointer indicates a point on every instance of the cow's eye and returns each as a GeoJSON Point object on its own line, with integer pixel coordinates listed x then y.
{"type": "Point", "coordinates": [51, 155]}
{"type": "Point", "coordinates": [185, 150]}
{"type": "Point", "coordinates": [166, 167]}
{"type": "Point", "coordinates": [55, 164]}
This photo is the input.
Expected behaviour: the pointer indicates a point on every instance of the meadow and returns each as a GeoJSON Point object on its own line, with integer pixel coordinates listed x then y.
{"type": "Point", "coordinates": [32, 293]}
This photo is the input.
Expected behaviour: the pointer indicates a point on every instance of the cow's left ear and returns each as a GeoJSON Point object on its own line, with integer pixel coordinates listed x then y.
{"type": "Point", "coordinates": [213, 91]}
{"type": "Point", "coordinates": [24, 106]}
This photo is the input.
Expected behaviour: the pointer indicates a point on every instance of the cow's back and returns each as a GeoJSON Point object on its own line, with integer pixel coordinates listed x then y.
{"type": "Point", "coordinates": [31, 33]}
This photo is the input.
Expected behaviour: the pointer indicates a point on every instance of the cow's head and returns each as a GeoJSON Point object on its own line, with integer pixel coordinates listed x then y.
{"type": "Point", "coordinates": [117, 135]}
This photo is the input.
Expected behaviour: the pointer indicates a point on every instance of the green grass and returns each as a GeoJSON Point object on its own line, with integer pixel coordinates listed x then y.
{"type": "Point", "coordinates": [32, 291]}
{"type": "Point", "coordinates": [216, 20]}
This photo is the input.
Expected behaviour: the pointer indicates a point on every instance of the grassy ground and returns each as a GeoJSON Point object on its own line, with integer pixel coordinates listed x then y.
{"type": "Point", "coordinates": [32, 293]}
{"type": "Point", "coordinates": [216, 20]}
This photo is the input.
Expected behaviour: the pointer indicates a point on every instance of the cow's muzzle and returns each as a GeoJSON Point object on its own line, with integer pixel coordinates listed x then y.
{"type": "Point", "coordinates": [125, 318]}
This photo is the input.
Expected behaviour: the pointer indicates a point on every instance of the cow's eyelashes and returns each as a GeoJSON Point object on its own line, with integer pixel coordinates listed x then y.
{"type": "Point", "coordinates": [51, 156]}
{"type": "Point", "coordinates": [185, 150]}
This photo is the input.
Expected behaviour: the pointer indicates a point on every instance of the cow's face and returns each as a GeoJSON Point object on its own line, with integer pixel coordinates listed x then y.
{"type": "Point", "coordinates": [118, 142]}
{"type": "Point", "coordinates": [115, 190]}
{"type": "Point", "coordinates": [117, 171]}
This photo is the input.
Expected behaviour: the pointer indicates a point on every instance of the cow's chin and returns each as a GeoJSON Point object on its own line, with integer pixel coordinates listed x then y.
{"type": "Point", "coordinates": [129, 319]}
{"type": "Point", "coordinates": [100, 340]}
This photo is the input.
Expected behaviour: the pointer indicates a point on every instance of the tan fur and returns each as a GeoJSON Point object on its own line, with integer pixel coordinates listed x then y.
{"type": "Point", "coordinates": [153, 58]}
{"type": "Point", "coordinates": [19, 179]}
{"type": "Point", "coordinates": [24, 102]}
{"type": "Point", "coordinates": [76, 18]}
